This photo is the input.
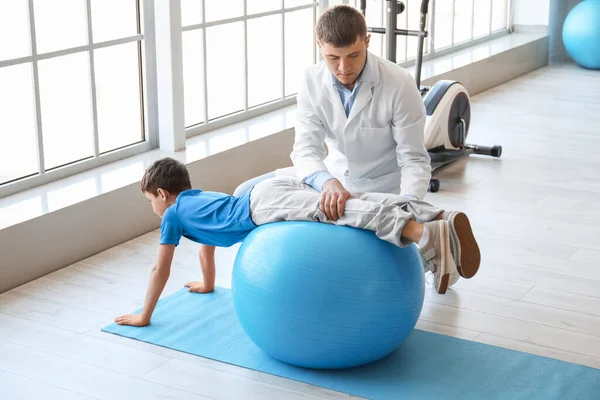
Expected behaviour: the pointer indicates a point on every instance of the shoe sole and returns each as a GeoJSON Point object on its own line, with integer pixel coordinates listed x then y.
{"type": "Point", "coordinates": [445, 277]}
{"type": "Point", "coordinates": [443, 284]}
{"type": "Point", "coordinates": [470, 257]}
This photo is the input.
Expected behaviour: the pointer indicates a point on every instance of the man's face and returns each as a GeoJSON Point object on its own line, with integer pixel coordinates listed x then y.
{"type": "Point", "coordinates": [346, 63]}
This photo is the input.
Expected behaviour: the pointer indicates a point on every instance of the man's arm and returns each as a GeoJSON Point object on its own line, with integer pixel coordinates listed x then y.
{"type": "Point", "coordinates": [408, 127]}
{"type": "Point", "coordinates": [309, 145]}
{"type": "Point", "coordinates": [207, 264]}
{"type": "Point", "coordinates": [158, 279]}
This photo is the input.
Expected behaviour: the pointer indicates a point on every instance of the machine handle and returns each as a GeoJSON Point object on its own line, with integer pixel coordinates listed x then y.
{"type": "Point", "coordinates": [424, 6]}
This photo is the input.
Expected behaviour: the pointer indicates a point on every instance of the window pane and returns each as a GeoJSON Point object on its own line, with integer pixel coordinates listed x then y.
{"type": "Point", "coordinates": [498, 14]}
{"type": "Point", "coordinates": [219, 9]}
{"type": "Point", "coordinates": [225, 68]}
{"type": "Point", "coordinates": [481, 19]}
{"type": "Point", "coordinates": [414, 13]}
{"type": "Point", "coordinates": [60, 24]}
{"type": "Point", "coordinates": [193, 72]}
{"type": "Point", "coordinates": [18, 148]}
{"type": "Point", "coordinates": [66, 112]}
{"type": "Point", "coordinates": [299, 47]}
{"type": "Point", "coordinates": [375, 20]}
{"type": "Point", "coordinates": [259, 6]}
{"type": "Point", "coordinates": [264, 59]}
{"type": "Point", "coordinates": [118, 96]}
{"type": "Point", "coordinates": [14, 24]}
{"type": "Point", "coordinates": [191, 12]}
{"type": "Point", "coordinates": [443, 24]}
{"type": "Point", "coordinates": [295, 3]}
{"type": "Point", "coordinates": [113, 19]}
{"type": "Point", "coordinates": [462, 20]}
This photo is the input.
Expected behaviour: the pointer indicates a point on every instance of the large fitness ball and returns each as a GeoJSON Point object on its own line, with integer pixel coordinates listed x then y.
{"type": "Point", "coordinates": [324, 296]}
{"type": "Point", "coordinates": [581, 34]}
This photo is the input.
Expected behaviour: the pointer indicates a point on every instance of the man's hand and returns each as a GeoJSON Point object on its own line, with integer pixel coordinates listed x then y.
{"type": "Point", "coordinates": [132, 319]}
{"type": "Point", "coordinates": [333, 199]}
{"type": "Point", "coordinates": [199, 287]}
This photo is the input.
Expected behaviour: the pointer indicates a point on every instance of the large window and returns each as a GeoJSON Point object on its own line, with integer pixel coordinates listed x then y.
{"type": "Point", "coordinates": [70, 83]}
{"type": "Point", "coordinates": [87, 82]}
{"type": "Point", "coordinates": [243, 56]}
{"type": "Point", "coordinates": [451, 23]}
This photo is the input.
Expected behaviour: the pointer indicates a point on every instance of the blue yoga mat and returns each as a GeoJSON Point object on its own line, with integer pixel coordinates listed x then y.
{"type": "Point", "coordinates": [426, 366]}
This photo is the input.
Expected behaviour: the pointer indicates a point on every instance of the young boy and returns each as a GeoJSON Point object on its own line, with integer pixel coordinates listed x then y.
{"type": "Point", "coordinates": [445, 239]}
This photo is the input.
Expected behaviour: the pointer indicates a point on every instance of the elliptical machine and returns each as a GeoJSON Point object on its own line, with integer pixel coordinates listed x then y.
{"type": "Point", "coordinates": [447, 102]}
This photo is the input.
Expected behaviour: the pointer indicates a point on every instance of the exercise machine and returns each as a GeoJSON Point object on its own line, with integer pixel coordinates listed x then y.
{"type": "Point", "coordinates": [447, 102]}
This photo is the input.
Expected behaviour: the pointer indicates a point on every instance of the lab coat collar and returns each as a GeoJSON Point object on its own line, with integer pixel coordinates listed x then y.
{"type": "Point", "coordinates": [369, 77]}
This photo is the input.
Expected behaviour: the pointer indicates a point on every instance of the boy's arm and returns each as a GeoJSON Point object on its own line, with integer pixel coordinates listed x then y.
{"type": "Point", "coordinates": [207, 264]}
{"type": "Point", "coordinates": [158, 279]}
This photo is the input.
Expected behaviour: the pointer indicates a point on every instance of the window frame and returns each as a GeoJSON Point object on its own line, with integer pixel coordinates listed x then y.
{"type": "Point", "coordinates": [160, 50]}
{"type": "Point", "coordinates": [147, 89]}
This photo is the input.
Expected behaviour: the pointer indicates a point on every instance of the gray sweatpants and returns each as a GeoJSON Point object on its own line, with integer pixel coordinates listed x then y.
{"type": "Point", "coordinates": [288, 199]}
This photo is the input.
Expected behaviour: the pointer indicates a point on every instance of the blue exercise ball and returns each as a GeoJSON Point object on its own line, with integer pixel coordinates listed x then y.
{"type": "Point", "coordinates": [581, 34]}
{"type": "Point", "coordinates": [324, 296]}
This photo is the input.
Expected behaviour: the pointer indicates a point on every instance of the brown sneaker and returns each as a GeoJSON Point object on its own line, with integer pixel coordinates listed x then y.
{"type": "Point", "coordinates": [463, 245]}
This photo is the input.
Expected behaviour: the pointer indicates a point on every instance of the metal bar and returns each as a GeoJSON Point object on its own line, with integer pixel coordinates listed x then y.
{"type": "Point", "coordinates": [246, 17]}
{"type": "Point", "coordinates": [419, 58]}
{"type": "Point", "coordinates": [88, 5]}
{"type": "Point", "coordinates": [36, 90]}
{"type": "Point", "coordinates": [204, 63]}
{"type": "Point", "coordinates": [401, 32]}
{"type": "Point", "coordinates": [391, 27]}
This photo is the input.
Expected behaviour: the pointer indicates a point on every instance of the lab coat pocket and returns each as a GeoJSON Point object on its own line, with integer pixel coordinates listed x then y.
{"type": "Point", "coordinates": [376, 141]}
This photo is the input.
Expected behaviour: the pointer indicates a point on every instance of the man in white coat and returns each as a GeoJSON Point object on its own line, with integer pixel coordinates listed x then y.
{"type": "Point", "coordinates": [367, 111]}
{"type": "Point", "coordinates": [360, 128]}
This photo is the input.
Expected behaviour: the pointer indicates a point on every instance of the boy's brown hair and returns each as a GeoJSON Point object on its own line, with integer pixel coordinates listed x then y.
{"type": "Point", "coordinates": [341, 25]}
{"type": "Point", "coordinates": [167, 174]}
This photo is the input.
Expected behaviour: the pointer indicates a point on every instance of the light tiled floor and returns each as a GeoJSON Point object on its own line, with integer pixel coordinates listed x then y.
{"type": "Point", "coordinates": [535, 212]}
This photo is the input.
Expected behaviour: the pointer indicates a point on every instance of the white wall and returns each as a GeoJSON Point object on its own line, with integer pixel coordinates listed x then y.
{"type": "Point", "coordinates": [531, 12]}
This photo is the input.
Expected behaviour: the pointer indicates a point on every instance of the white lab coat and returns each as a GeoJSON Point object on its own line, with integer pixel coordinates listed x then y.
{"type": "Point", "coordinates": [379, 147]}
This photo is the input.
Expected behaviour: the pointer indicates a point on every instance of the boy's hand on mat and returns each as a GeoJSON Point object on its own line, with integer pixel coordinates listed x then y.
{"type": "Point", "coordinates": [333, 199]}
{"type": "Point", "coordinates": [198, 287]}
{"type": "Point", "coordinates": [132, 319]}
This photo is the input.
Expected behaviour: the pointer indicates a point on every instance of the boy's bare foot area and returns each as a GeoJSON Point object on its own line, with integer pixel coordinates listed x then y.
{"type": "Point", "coordinates": [132, 319]}
{"type": "Point", "coordinates": [198, 287]}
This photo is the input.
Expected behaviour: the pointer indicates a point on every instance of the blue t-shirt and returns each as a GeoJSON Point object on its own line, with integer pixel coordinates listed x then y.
{"type": "Point", "coordinates": [210, 218]}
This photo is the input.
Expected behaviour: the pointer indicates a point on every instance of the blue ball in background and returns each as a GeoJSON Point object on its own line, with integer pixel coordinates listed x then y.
{"type": "Point", "coordinates": [581, 34]}
{"type": "Point", "coordinates": [323, 296]}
